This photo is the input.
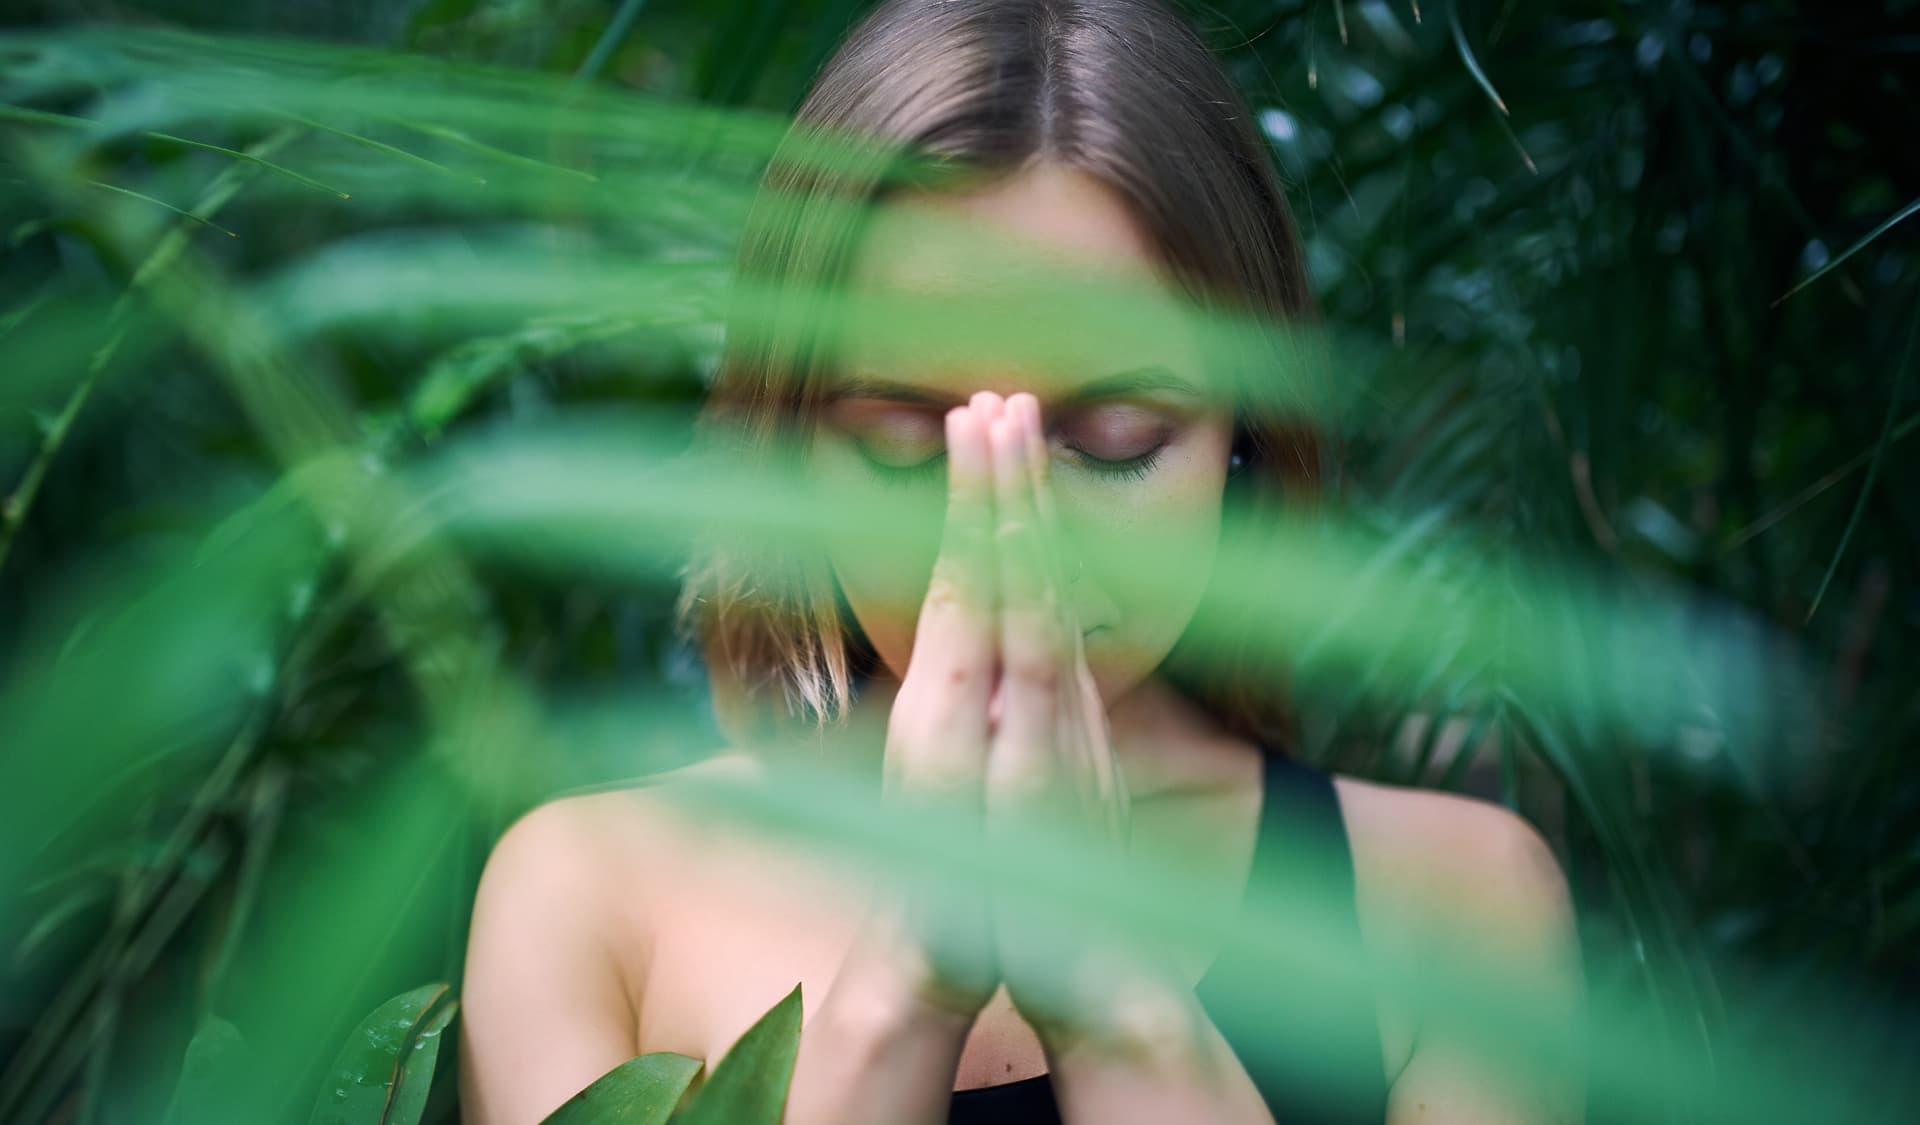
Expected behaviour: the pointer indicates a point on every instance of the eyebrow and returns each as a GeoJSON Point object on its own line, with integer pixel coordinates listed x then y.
{"type": "Point", "coordinates": [1124, 384]}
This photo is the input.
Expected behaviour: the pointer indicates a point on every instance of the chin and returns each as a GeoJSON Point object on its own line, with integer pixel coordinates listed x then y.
{"type": "Point", "coordinates": [1115, 673]}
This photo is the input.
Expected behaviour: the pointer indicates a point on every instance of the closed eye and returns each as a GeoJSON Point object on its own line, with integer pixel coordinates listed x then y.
{"type": "Point", "coordinates": [904, 445]}
{"type": "Point", "coordinates": [1129, 468]}
{"type": "Point", "coordinates": [901, 476]}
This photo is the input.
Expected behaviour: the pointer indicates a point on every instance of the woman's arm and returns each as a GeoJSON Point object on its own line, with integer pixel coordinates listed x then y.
{"type": "Point", "coordinates": [543, 1009]}
{"type": "Point", "coordinates": [1499, 899]}
{"type": "Point", "coordinates": [1478, 886]}
{"type": "Point", "coordinates": [876, 1051]}
{"type": "Point", "coordinates": [1157, 1057]}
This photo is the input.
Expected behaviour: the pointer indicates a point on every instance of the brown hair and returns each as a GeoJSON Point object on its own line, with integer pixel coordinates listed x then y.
{"type": "Point", "coordinates": [1119, 89]}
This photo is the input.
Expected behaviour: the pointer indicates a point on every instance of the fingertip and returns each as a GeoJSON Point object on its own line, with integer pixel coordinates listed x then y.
{"type": "Point", "coordinates": [1004, 436]}
{"type": "Point", "coordinates": [966, 444]}
{"type": "Point", "coordinates": [988, 405]}
{"type": "Point", "coordinates": [1028, 412]}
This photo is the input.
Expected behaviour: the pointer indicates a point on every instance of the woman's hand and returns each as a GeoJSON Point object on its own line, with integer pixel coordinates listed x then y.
{"type": "Point", "coordinates": [1031, 749]}
{"type": "Point", "coordinates": [1050, 760]}
{"type": "Point", "coordinates": [934, 943]}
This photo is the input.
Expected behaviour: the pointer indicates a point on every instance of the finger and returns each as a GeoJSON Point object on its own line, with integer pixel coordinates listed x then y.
{"type": "Point", "coordinates": [1081, 718]}
{"type": "Point", "coordinates": [953, 643]}
{"type": "Point", "coordinates": [1025, 409]}
{"type": "Point", "coordinates": [1106, 781]}
{"type": "Point", "coordinates": [986, 406]}
{"type": "Point", "coordinates": [1022, 764]}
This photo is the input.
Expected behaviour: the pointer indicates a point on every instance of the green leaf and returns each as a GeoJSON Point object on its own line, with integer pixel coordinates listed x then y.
{"type": "Point", "coordinates": [368, 1076]}
{"type": "Point", "coordinates": [1472, 61]}
{"type": "Point", "coordinates": [238, 154]}
{"type": "Point", "coordinates": [205, 1075]}
{"type": "Point", "coordinates": [417, 1065]}
{"type": "Point", "coordinates": [640, 1091]}
{"type": "Point", "coordinates": [1903, 215]}
{"type": "Point", "coordinates": [1873, 469]}
{"type": "Point", "coordinates": [749, 1087]}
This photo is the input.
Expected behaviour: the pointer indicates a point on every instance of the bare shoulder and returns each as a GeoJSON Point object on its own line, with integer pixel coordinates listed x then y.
{"type": "Point", "coordinates": [1460, 868]}
{"type": "Point", "coordinates": [1403, 835]}
{"type": "Point", "coordinates": [570, 850]}
{"type": "Point", "coordinates": [561, 938]}
{"type": "Point", "coordinates": [1444, 881]}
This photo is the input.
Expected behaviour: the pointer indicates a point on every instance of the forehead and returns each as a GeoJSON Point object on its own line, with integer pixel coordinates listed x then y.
{"type": "Point", "coordinates": [1058, 212]}
{"type": "Point", "coordinates": [1065, 283]}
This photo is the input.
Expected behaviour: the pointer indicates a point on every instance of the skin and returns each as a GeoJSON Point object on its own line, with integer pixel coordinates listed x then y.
{"type": "Point", "coordinates": [611, 925]}
{"type": "Point", "coordinates": [1128, 459]}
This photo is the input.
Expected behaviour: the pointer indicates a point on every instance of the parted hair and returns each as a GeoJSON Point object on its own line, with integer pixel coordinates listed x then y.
{"type": "Point", "coordinates": [1122, 90]}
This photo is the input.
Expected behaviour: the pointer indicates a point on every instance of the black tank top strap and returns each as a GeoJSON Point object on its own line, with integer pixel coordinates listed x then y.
{"type": "Point", "coordinates": [1309, 1038]}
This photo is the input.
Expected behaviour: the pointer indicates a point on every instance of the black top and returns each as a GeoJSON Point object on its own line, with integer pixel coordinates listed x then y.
{"type": "Point", "coordinates": [1315, 1063]}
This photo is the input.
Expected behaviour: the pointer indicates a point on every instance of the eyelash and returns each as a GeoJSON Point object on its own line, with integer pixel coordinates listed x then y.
{"type": "Point", "coordinates": [1132, 468]}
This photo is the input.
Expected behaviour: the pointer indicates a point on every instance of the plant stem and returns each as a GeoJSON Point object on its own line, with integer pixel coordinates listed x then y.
{"type": "Point", "coordinates": [13, 512]}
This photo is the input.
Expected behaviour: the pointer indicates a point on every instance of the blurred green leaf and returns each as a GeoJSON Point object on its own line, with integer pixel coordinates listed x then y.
{"type": "Point", "coordinates": [206, 1076]}
{"type": "Point", "coordinates": [1524, 367]}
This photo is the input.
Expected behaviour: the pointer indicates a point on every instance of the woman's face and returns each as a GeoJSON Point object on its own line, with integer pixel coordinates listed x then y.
{"type": "Point", "coordinates": [1139, 447]}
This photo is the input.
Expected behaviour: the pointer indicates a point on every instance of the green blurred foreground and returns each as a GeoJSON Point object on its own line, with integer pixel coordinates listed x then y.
{"type": "Point", "coordinates": [346, 399]}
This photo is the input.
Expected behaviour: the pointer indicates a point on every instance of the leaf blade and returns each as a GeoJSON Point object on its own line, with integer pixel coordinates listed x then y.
{"type": "Point", "coordinates": [641, 1091]}
{"type": "Point", "coordinates": [750, 1085]}
{"type": "Point", "coordinates": [366, 1076]}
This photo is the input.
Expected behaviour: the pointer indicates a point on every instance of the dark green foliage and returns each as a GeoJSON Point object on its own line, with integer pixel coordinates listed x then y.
{"type": "Point", "coordinates": [1624, 295]}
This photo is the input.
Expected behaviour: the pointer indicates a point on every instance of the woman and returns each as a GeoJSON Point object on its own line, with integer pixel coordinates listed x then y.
{"type": "Point", "coordinates": [1010, 666]}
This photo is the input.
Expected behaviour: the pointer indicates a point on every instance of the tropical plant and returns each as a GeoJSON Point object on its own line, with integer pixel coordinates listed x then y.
{"type": "Point", "coordinates": [346, 360]}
